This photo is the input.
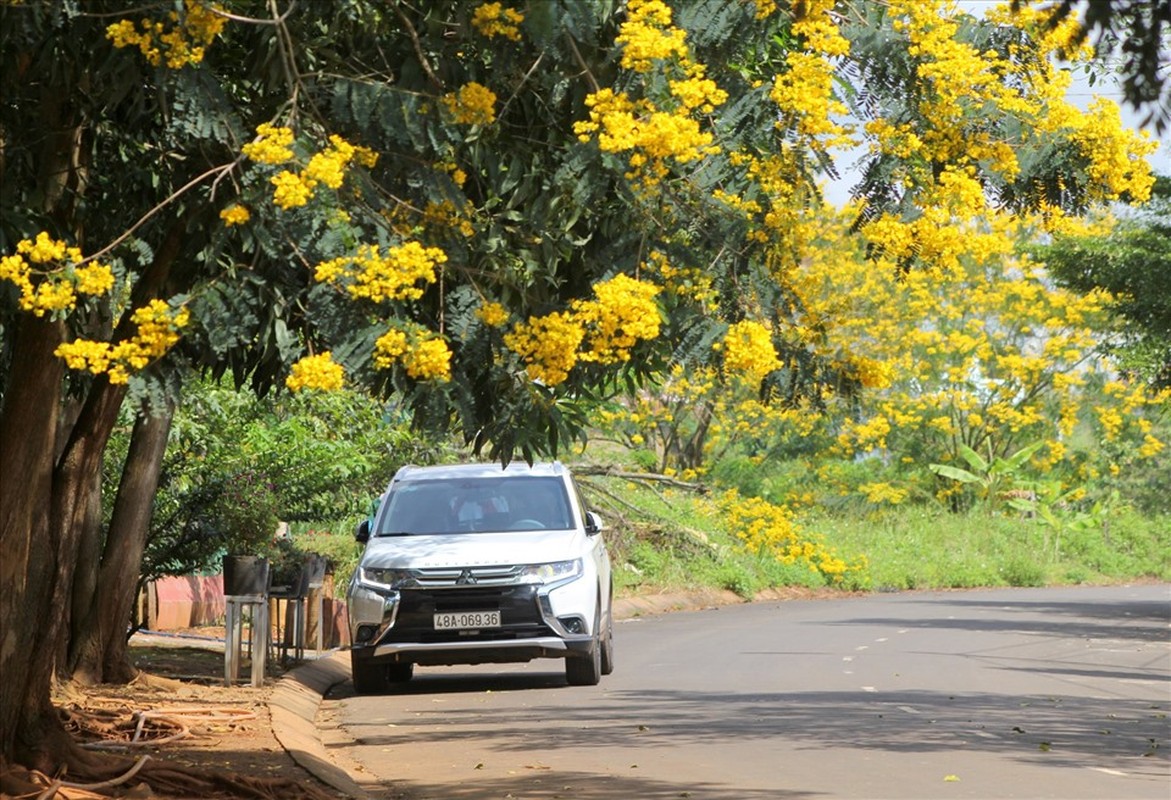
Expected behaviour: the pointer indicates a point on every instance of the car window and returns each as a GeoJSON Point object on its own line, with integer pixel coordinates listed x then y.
{"type": "Point", "coordinates": [478, 504]}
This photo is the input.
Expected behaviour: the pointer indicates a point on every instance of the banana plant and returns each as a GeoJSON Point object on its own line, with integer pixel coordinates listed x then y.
{"type": "Point", "coordinates": [992, 476]}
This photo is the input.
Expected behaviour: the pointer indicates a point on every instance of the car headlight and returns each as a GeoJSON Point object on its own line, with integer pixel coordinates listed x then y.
{"type": "Point", "coordinates": [383, 578]}
{"type": "Point", "coordinates": [551, 573]}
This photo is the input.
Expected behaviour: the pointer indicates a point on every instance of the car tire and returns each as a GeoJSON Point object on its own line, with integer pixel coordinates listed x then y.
{"type": "Point", "coordinates": [400, 673]}
{"type": "Point", "coordinates": [607, 654]}
{"type": "Point", "coordinates": [586, 669]}
{"type": "Point", "coordinates": [370, 677]}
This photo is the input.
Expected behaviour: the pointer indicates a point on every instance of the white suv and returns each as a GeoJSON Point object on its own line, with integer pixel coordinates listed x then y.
{"type": "Point", "coordinates": [476, 563]}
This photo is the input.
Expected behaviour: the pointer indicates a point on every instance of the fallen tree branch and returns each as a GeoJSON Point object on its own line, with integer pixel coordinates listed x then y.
{"type": "Point", "coordinates": [645, 477]}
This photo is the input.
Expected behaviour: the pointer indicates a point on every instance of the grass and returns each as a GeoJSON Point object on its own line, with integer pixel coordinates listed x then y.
{"type": "Point", "coordinates": [917, 549]}
{"type": "Point", "coordinates": [672, 540]}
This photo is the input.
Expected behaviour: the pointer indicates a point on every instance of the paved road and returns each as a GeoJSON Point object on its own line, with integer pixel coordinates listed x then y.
{"type": "Point", "coordinates": [1052, 693]}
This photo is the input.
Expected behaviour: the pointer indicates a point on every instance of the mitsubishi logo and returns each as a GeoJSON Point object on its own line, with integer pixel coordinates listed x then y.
{"type": "Point", "coordinates": [466, 578]}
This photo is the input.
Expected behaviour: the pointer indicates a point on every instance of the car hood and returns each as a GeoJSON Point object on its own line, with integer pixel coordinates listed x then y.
{"type": "Point", "coordinates": [473, 549]}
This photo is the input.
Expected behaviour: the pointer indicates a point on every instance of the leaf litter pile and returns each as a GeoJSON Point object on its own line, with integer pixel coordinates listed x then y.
{"type": "Point", "coordinates": [180, 737]}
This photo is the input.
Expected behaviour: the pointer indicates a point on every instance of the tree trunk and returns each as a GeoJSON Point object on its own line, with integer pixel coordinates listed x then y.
{"type": "Point", "coordinates": [28, 430]}
{"type": "Point", "coordinates": [85, 578]}
{"type": "Point", "coordinates": [44, 506]}
{"type": "Point", "coordinates": [691, 455]}
{"type": "Point", "coordinates": [98, 650]}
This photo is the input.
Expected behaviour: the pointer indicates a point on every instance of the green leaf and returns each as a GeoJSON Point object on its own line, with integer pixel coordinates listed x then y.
{"type": "Point", "coordinates": [974, 459]}
{"type": "Point", "coordinates": [955, 473]}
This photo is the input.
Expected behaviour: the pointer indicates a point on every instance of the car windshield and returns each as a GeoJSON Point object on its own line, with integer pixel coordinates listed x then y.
{"type": "Point", "coordinates": [446, 505]}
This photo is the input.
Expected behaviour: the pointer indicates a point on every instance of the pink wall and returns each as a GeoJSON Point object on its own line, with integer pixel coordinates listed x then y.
{"type": "Point", "coordinates": [192, 602]}
{"type": "Point", "coordinates": [186, 602]}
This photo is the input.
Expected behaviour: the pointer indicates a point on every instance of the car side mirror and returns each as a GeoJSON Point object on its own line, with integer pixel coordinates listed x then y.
{"type": "Point", "coordinates": [362, 534]}
{"type": "Point", "coordinates": [594, 524]}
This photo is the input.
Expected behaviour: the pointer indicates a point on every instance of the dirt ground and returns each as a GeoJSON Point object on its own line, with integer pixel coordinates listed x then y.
{"type": "Point", "coordinates": [180, 711]}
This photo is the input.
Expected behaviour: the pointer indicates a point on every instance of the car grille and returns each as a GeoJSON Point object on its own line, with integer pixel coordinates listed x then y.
{"type": "Point", "coordinates": [520, 614]}
{"type": "Point", "coordinates": [437, 577]}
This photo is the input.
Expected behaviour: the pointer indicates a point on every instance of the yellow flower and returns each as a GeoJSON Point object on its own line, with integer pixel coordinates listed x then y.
{"type": "Point", "coordinates": [390, 347]}
{"type": "Point", "coordinates": [424, 356]}
{"type": "Point", "coordinates": [429, 359]}
{"type": "Point", "coordinates": [271, 145]}
{"type": "Point", "coordinates": [94, 279]}
{"type": "Point", "coordinates": [316, 372]}
{"type": "Point", "coordinates": [372, 275]}
{"type": "Point", "coordinates": [622, 313]}
{"type": "Point", "coordinates": [235, 215]}
{"type": "Point", "coordinates": [43, 250]}
{"type": "Point", "coordinates": [492, 19]}
{"type": "Point", "coordinates": [473, 104]}
{"type": "Point", "coordinates": [492, 314]}
{"type": "Point", "coordinates": [329, 166]}
{"type": "Point", "coordinates": [749, 352]}
{"type": "Point", "coordinates": [292, 190]}
{"type": "Point", "coordinates": [85, 355]}
{"type": "Point", "coordinates": [158, 327]}
{"type": "Point", "coordinates": [182, 39]}
{"type": "Point", "coordinates": [647, 35]}
{"type": "Point", "coordinates": [548, 346]}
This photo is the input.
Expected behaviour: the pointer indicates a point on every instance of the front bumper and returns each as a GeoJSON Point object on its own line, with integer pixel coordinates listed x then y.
{"type": "Point", "coordinates": [553, 621]}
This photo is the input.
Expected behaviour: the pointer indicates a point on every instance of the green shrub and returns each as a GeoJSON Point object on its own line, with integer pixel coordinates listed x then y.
{"type": "Point", "coordinates": [336, 542]}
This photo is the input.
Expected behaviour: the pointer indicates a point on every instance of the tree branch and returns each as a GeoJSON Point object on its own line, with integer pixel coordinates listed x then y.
{"type": "Point", "coordinates": [644, 477]}
{"type": "Point", "coordinates": [418, 47]}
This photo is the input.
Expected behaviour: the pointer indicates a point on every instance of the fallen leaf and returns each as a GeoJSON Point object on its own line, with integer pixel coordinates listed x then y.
{"type": "Point", "coordinates": [952, 778]}
{"type": "Point", "coordinates": [1044, 747]}
{"type": "Point", "coordinates": [479, 766]}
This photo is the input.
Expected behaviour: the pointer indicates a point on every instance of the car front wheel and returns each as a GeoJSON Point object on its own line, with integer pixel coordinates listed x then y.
{"type": "Point", "coordinates": [370, 677]}
{"type": "Point", "coordinates": [586, 669]}
{"type": "Point", "coordinates": [400, 673]}
{"type": "Point", "coordinates": [607, 665]}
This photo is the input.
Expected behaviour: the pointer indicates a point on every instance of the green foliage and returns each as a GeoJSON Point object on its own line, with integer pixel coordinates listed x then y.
{"type": "Point", "coordinates": [334, 540]}
{"type": "Point", "coordinates": [992, 476]}
{"type": "Point", "coordinates": [1133, 264]}
{"type": "Point", "coordinates": [678, 541]}
{"type": "Point", "coordinates": [237, 465]}
{"type": "Point", "coordinates": [741, 473]}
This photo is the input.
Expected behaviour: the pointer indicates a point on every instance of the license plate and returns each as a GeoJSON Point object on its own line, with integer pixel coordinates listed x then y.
{"type": "Point", "coordinates": [463, 620]}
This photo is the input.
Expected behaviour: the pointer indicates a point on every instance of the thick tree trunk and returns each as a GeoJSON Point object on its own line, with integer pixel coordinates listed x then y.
{"type": "Point", "coordinates": [98, 649]}
{"type": "Point", "coordinates": [28, 430]}
{"type": "Point", "coordinates": [85, 578]}
{"type": "Point", "coordinates": [44, 507]}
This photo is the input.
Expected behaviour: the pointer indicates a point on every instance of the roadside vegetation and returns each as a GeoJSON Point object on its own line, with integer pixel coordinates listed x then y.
{"type": "Point", "coordinates": [747, 524]}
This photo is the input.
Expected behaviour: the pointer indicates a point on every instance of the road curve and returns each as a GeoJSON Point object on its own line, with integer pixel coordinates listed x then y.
{"type": "Point", "coordinates": [1016, 693]}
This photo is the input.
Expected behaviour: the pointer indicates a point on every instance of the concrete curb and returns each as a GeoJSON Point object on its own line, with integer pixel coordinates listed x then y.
{"type": "Point", "coordinates": [297, 695]}
{"type": "Point", "coordinates": [293, 708]}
